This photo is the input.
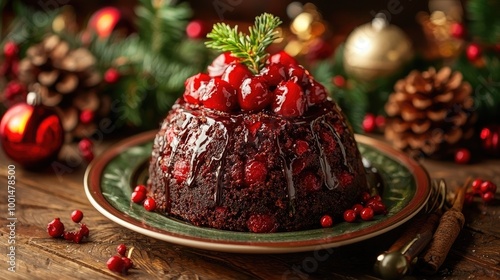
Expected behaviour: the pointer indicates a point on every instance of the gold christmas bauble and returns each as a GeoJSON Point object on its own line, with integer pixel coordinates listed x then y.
{"type": "Point", "coordinates": [376, 50]}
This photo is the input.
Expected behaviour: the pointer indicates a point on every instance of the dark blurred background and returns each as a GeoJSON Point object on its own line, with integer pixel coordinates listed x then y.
{"type": "Point", "coordinates": [341, 16]}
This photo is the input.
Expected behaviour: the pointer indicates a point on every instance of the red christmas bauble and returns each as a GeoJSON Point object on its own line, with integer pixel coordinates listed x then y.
{"type": "Point", "coordinates": [473, 52]}
{"type": "Point", "coordinates": [31, 135]}
{"type": "Point", "coordinates": [490, 140]}
{"type": "Point", "coordinates": [196, 29]}
{"type": "Point", "coordinates": [457, 30]}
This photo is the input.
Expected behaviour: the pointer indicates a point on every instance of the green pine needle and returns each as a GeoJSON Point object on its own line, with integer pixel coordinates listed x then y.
{"type": "Point", "coordinates": [251, 48]}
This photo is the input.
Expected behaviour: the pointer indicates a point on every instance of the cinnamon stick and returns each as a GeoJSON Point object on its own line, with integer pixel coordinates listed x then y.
{"type": "Point", "coordinates": [449, 227]}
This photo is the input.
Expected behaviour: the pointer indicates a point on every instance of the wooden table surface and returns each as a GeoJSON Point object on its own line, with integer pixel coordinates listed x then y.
{"type": "Point", "coordinates": [41, 196]}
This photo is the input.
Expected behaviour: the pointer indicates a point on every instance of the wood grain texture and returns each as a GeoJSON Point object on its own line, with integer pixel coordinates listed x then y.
{"type": "Point", "coordinates": [42, 196]}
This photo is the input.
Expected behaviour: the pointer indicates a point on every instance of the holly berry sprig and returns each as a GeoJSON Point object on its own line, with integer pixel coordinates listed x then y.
{"type": "Point", "coordinates": [251, 48]}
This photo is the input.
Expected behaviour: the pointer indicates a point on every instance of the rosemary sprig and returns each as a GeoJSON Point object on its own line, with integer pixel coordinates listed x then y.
{"type": "Point", "coordinates": [250, 48]}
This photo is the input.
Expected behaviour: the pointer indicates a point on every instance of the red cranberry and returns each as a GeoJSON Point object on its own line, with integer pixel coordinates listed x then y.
{"type": "Point", "coordinates": [140, 188]}
{"type": "Point", "coordinates": [77, 216]}
{"type": "Point", "coordinates": [476, 185]}
{"type": "Point", "coordinates": [69, 235]}
{"type": "Point", "coordinates": [111, 76]}
{"type": "Point", "coordinates": [220, 64]}
{"type": "Point", "coordinates": [457, 30]}
{"type": "Point", "coordinates": [298, 165]}
{"type": "Point", "coordinates": [346, 178]}
{"type": "Point", "coordinates": [181, 171]}
{"type": "Point", "coordinates": [77, 238]}
{"type": "Point", "coordinates": [254, 127]}
{"type": "Point", "coordinates": [255, 172]}
{"type": "Point", "coordinates": [338, 81]}
{"type": "Point", "coordinates": [377, 206]}
{"type": "Point", "coordinates": [84, 230]}
{"type": "Point", "coordinates": [349, 216]}
{"type": "Point", "coordinates": [116, 264]}
{"type": "Point", "coordinates": [235, 73]}
{"type": "Point", "coordinates": [311, 182]}
{"type": "Point", "coordinates": [357, 208]}
{"type": "Point", "coordinates": [86, 116]}
{"type": "Point", "coordinates": [301, 147]}
{"type": "Point", "coordinates": [261, 223]}
{"type": "Point", "coordinates": [88, 156]}
{"type": "Point", "coordinates": [85, 145]}
{"type": "Point", "coordinates": [469, 198]}
{"type": "Point", "coordinates": [488, 197]}
{"type": "Point", "coordinates": [369, 123]}
{"type": "Point", "coordinates": [10, 49]}
{"type": "Point", "coordinates": [13, 89]}
{"type": "Point", "coordinates": [289, 100]}
{"type": "Point", "coordinates": [137, 197]}
{"type": "Point", "coordinates": [488, 186]}
{"type": "Point", "coordinates": [326, 221]}
{"type": "Point", "coordinates": [282, 58]}
{"type": "Point", "coordinates": [328, 142]}
{"type": "Point", "coordinates": [473, 52]}
{"type": "Point", "coordinates": [365, 196]}
{"type": "Point", "coordinates": [274, 74]}
{"type": "Point", "coordinates": [196, 29]}
{"type": "Point", "coordinates": [194, 86]}
{"type": "Point", "coordinates": [315, 93]}
{"type": "Point", "coordinates": [377, 197]}
{"type": "Point", "coordinates": [121, 249]}
{"type": "Point", "coordinates": [380, 121]}
{"type": "Point", "coordinates": [219, 95]}
{"type": "Point", "coordinates": [128, 264]}
{"type": "Point", "coordinates": [367, 214]}
{"type": "Point", "coordinates": [55, 228]}
{"type": "Point", "coordinates": [254, 94]}
{"type": "Point", "coordinates": [462, 156]}
{"type": "Point", "coordinates": [298, 74]}
{"type": "Point", "coordinates": [149, 204]}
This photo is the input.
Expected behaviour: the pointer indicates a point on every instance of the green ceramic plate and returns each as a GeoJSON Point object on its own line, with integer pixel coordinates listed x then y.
{"type": "Point", "coordinates": [109, 181]}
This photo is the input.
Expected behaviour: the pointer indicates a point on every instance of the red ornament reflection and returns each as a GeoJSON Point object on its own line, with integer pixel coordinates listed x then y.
{"type": "Point", "coordinates": [31, 135]}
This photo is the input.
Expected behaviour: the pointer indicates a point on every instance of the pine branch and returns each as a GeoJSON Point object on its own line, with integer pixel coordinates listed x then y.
{"type": "Point", "coordinates": [251, 48]}
{"type": "Point", "coordinates": [485, 23]}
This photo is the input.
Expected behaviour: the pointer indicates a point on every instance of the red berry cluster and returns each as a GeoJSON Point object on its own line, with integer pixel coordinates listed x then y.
{"type": "Point", "coordinates": [366, 210]}
{"type": "Point", "coordinates": [85, 146]}
{"type": "Point", "coordinates": [282, 86]}
{"type": "Point", "coordinates": [482, 188]}
{"type": "Point", "coordinates": [120, 263]}
{"type": "Point", "coordinates": [14, 91]}
{"type": "Point", "coordinates": [371, 123]}
{"type": "Point", "coordinates": [56, 228]}
{"type": "Point", "coordinates": [139, 195]}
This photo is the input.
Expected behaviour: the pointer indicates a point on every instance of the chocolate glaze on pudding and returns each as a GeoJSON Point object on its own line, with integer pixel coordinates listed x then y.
{"type": "Point", "coordinates": [257, 172]}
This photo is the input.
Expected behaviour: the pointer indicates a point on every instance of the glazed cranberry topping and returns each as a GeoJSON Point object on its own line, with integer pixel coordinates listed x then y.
{"type": "Point", "coordinates": [282, 58]}
{"type": "Point", "coordinates": [235, 73]}
{"type": "Point", "coordinates": [193, 85]}
{"type": "Point", "coordinates": [254, 94]}
{"type": "Point", "coordinates": [274, 74]}
{"type": "Point", "coordinates": [289, 100]}
{"type": "Point", "coordinates": [219, 95]}
{"type": "Point", "coordinates": [219, 65]}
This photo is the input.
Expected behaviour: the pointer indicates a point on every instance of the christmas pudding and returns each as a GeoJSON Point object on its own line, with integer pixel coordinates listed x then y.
{"type": "Point", "coordinates": [255, 145]}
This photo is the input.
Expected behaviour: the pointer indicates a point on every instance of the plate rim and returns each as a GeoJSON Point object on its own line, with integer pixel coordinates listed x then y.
{"type": "Point", "coordinates": [92, 190]}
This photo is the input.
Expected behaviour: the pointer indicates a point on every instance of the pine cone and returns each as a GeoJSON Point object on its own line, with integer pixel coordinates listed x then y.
{"type": "Point", "coordinates": [66, 79]}
{"type": "Point", "coordinates": [430, 112]}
